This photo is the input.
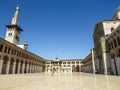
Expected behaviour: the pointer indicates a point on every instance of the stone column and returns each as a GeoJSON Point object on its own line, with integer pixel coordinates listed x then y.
{"type": "Point", "coordinates": [13, 68]}
{"type": "Point", "coordinates": [1, 64]}
{"type": "Point", "coordinates": [27, 68]}
{"type": "Point", "coordinates": [8, 67]}
{"type": "Point", "coordinates": [118, 64]}
{"type": "Point", "coordinates": [71, 68]}
{"type": "Point", "coordinates": [23, 67]}
{"type": "Point", "coordinates": [75, 66]}
{"type": "Point", "coordinates": [105, 56]}
{"type": "Point", "coordinates": [79, 66]}
{"type": "Point", "coordinates": [105, 63]}
{"type": "Point", "coordinates": [38, 69]}
{"type": "Point", "coordinates": [19, 66]}
{"type": "Point", "coordinates": [113, 66]}
{"type": "Point", "coordinates": [35, 68]}
{"type": "Point", "coordinates": [93, 61]}
{"type": "Point", "coordinates": [41, 68]}
{"type": "Point", "coordinates": [30, 70]}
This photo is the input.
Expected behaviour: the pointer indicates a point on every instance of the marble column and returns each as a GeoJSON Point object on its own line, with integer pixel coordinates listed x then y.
{"type": "Point", "coordinates": [30, 70]}
{"type": "Point", "coordinates": [80, 67]}
{"type": "Point", "coordinates": [118, 64]}
{"type": "Point", "coordinates": [8, 67]}
{"type": "Point", "coordinates": [13, 68]}
{"type": "Point", "coordinates": [1, 64]}
{"type": "Point", "coordinates": [35, 68]}
{"type": "Point", "coordinates": [93, 62]}
{"type": "Point", "coordinates": [19, 66]}
{"type": "Point", "coordinates": [23, 67]}
{"type": "Point", "coordinates": [27, 68]}
{"type": "Point", "coordinates": [113, 66]}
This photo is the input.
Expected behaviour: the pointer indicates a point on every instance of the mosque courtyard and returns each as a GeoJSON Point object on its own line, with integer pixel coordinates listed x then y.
{"type": "Point", "coordinates": [75, 81]}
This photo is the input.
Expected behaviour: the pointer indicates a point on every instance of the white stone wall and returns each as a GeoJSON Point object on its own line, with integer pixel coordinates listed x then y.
{"type": "Point", "coordinates": [88, 69]}
{"type": "Point", "coordinates": [107, 25]}
{"type": "Point", "coordinates": [12, 38]}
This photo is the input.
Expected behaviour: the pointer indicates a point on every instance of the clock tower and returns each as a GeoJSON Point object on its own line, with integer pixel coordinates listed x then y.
{"type": "Point", "coordinates": [13, 29]}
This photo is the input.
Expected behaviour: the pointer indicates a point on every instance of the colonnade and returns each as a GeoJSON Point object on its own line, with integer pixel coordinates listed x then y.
{"type": "Point", "coordinates": [16, 66]}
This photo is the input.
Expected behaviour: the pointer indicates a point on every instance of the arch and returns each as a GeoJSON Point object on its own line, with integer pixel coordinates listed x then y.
{"type": "Point", "coordinates": [9, 50]}
{"type": "Point", "coordinates": [4, 66]}
{"type": "Point", "coordinates": [21, 66]}
{"type": "Point", "coordinates": [16, 68]}
{"type": "Point", "coordinates": [112, 29]}
{"type": "Point", "coordinates": [11, 65]}
{"type": "Point", "coordinates": [5, 51]}
{"type": "Point", "coordinates": [29, 71]}
{"type": "Point", "coordinates": [73, 68]}
{"type": "Point", "coordinates": [25, 70]}
{"type": "Point", "coordinates": [77, 68]}
{"type": "Point", "coordinates": [1, 47]}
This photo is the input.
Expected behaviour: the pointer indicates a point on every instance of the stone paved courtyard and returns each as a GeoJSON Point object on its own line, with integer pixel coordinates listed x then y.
{"type": "Point", "coordinates": [76, 81]}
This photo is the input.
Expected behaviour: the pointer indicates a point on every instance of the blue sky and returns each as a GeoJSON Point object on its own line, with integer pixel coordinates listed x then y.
{"type": "Point", "coordinates": [60, 28]}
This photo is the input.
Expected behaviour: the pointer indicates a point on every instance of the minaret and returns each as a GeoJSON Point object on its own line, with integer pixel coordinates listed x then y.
{"type": "Point", "coordinates": [117, 14]}
{"type": "Point", "coordinates": [13, 29]}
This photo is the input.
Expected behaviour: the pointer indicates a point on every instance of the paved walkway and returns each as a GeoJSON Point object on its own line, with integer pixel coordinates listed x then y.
{"type": "Point", "coordinates": [76, 81]}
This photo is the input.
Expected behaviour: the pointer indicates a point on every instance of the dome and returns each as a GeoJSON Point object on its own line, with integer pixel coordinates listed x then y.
{"type": "Point", "coordinates": [118, 9]}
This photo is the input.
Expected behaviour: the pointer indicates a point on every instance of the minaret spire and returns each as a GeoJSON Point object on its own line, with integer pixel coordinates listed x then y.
{"type": "Point", "coordinates": [15, 17]}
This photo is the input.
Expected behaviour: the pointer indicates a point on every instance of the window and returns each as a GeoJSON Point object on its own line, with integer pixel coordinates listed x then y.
{"type": "Point", "coordinates": [73, 62]}
{"type": "Point", "coordinates": [17, 38]}
{"type": "Point", "coordinates": [9, 34]}
{"type": "Point", "coordinates": [68, 62]}
{"type": "Point", "coordinates": [112, 28]}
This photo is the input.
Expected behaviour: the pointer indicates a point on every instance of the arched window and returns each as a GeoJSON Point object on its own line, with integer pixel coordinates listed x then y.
{"type": "Point", "coordinates": [8, 50]}
{"type": "Point", "coordinates": [112, 28]}
{"type": "Point", "coordinates": [5, 49]}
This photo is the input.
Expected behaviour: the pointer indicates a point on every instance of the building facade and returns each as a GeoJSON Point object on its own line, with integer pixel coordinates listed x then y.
{"type": "Point", "coordinates": [105, 56]}
{"type": "Point", "coordinates": [106, 38]}
{"type": "Point", "coordinates": [63, 66]}
{"type": "Point", "coordinates": [113, 41]}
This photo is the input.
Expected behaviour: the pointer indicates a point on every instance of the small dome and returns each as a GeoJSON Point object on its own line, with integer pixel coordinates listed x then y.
{"type": "Point", "coordinates": [56, 58]}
